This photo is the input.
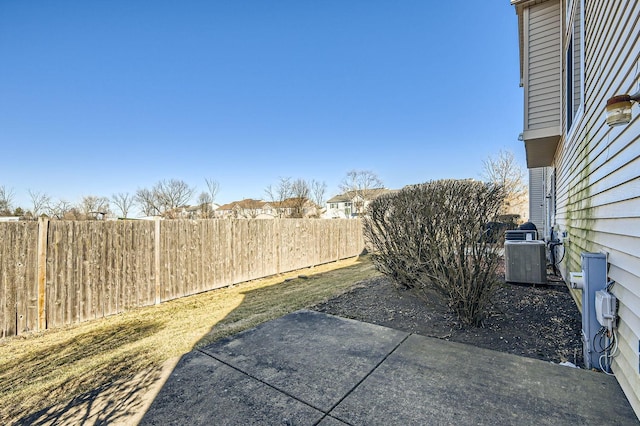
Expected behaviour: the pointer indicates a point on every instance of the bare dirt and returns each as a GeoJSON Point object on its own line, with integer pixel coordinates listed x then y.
{"type": "Point", "coordinates": [536, 321]}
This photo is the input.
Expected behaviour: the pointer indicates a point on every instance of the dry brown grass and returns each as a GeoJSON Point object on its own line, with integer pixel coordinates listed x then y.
{"type": "Point", "coordinates": [120, 357]}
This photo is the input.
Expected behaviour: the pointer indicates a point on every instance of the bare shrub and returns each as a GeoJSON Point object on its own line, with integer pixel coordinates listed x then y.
{"type": "Point", "coordinates": [433, 236]}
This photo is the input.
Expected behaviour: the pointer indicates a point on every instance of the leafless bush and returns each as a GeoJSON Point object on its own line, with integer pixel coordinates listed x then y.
{"type": "Point", "coordinates": [433, 236]}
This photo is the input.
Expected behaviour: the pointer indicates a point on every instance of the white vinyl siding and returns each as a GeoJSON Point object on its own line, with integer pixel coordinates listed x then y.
{"type": "Point", "coordinates": [550, 200]}
{"type": "Point", "coordinates": [543, 64]}
{"type": "Point", "coordinates": [537, 194]}
{"type": "Point", "coordinates": [598, 171]}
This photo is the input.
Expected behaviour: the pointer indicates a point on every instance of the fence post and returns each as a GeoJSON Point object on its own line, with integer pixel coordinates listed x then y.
{"type": "Point", "coordinates": [43, 231]}
{"type": "Point", "coordinates": [157, 259]}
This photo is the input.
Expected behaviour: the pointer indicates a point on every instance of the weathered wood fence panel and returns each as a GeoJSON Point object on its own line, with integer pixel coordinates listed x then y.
{"type": "Point", "coordinates": [95, 269]}
{"type": "Point", "coordinates": [202, 255]}
{"type": "Point", "coordinates": [91, 269]}
{"type": "Point", "coordinates": [18, 278]}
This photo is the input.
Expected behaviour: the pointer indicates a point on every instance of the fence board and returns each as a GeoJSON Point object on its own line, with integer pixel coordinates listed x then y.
{"type": "Point", "coordinates": [97, 269]}
{"type": "Point", "coordinates": [18, 278]}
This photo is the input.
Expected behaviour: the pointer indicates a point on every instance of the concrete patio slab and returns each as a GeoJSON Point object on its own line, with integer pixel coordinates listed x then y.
{"type": "Point", "coordinates": [330, 421]}
{"type": "Point", "coordinates": [316, 357]}
{"type": "Point", "coordinates": [430, 381]}
{"type": "Point", "coordinates": [205, 391]}
{"type": "Point", "coordinates": [313, 368]}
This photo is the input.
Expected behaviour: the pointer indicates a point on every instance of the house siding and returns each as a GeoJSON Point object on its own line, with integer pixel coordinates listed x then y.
{"type": "Point", "coordinates": [592, 193]}
{"type": "Point", "coordinates": [543, 66]}
{"type": "Point", "coordinates": [537, 193]}
{"type": "Point", "coordinates": [597, 174]}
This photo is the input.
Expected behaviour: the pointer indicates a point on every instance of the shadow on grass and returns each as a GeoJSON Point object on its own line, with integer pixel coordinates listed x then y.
{"type": "Point", "coordinates": [263, 304]}
{"type": "Point", "coordinates": [266, 303]}
{"type": "Point", "coordinates": [121, 386]}
{"type": "Point", "coordinates": [113, 385]}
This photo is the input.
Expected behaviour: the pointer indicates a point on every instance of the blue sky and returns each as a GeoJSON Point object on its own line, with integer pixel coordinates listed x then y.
{"type": "Point", "coordinates": [99, 97]}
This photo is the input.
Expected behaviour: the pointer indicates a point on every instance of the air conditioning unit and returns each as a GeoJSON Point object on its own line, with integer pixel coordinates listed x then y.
{"type": "Point", "coordinates": [525, 261]}
{"type": "Point", "coordinates": [521, 235]}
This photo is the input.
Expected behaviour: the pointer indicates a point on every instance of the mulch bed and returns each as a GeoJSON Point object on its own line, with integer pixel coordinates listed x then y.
{"type": "Point", "coordinates": [536, 321]}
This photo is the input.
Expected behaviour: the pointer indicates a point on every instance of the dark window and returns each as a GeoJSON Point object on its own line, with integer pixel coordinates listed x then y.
{"type": "Point", "coordinates": [569, 72]}
{"type": "Point", "coordinates": [574, 66]}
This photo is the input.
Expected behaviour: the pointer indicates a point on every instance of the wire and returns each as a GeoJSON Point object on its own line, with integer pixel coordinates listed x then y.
{"type": "Point", "coordinates": [605, 368]}
{"type": "Point", "coordinates": [611, 342]}
{"type": "Point", "coordinates": [563, 253]}
{"type": "Point", "coordinates": [610, 285]}
{"type": "Point", "coordinates": [603, 336]}
{"type": "Point", "coordinates": [609, 353]}
{"type": "Point", "coordinates": [600, 336]}
{"type": "Point", "coordinates": [552, 256]}
{"type": "Point", "coordinates": [614, 352]}
{"type": "Point", "coordinates": [553, 244]}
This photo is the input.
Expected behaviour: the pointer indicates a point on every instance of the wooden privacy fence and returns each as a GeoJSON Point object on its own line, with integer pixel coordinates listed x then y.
{"type": "Point", "coordinates": [54, 273]}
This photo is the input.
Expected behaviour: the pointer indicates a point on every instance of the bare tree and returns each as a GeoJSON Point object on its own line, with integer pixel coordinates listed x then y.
{"type": "Point", "coordinates": [204, 202]}
{"type": "Point", "coordinates": [39, 202]}
{"type": "Point", "coordinates": [173, 193]}
{"type": "Point", "coordinates": [206, 198]}
{"type": "Point", "coordinates": [93, 207]}
{"type": "Point", "coordinates": [300, 192]}
{"type": "Point", "coordinates": [504, 171]}
{"type": "Point", "coordinates": [62, 209]}
{"type": "Point", "coordinates": [318, 191]}
{"type": "Point", "coordinates": [362, 185]}
{"type": "Point", "coordinates": [6, 200]}
{"type": "Point", "coordinates": [213, 187]}
{"type": "Point", "coordinates": [74, 214]}
{"type": "Point", "coordinates": [123, 201]}
{"type": "Point", "coordinates": [147, 202]}
{"type": "Point", "coordinates": [279, 193]}
{"type": "Point", "coordinates": [290, 197]}
{"type": "Point", "coordinates": [164, 198]}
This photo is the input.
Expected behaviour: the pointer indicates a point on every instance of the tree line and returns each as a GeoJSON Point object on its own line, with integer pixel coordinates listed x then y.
{"type": "Point", "coordinates": [288, 196]}
{"type": "Point", "coordinates": [160, 199]}
{"type": "Point", "coordinates": [168, 197]}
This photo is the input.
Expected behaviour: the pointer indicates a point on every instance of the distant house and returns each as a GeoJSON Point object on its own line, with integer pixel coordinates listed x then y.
{"type": "Point", "coordinates": [144, 218]}
{"type": "Point", "coordinates": [575, 55]}
{"type": "Point", "coordinates": [352, 203]}
{"type": "Point", "coordinates": [9, 218]}
{"type": "Point", "coordinates": [246, 209]}
{"type": "Point", "coordinates": [296, 207]}
{"type": "Point", "coordinates": [204, 211]}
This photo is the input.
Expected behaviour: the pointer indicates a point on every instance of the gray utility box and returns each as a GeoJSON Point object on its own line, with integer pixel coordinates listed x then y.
{"type": "Point", "coordinates": [525, 262]}
{"type": "Point", "coordinates": [594, 274]}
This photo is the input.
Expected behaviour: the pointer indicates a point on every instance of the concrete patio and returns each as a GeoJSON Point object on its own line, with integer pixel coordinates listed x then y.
{"type": "Point", "coordinates": [309, 368]}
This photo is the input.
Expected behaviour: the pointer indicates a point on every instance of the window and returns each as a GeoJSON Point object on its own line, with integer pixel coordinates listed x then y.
{"type": "Point", "coordinates": [574, 63]}
{"type": "Point", "coordinates": [569, 95]}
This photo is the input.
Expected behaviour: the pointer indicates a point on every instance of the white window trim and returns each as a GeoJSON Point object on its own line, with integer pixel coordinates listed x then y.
{"type": "Point", "coordinates": [568, 12]}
